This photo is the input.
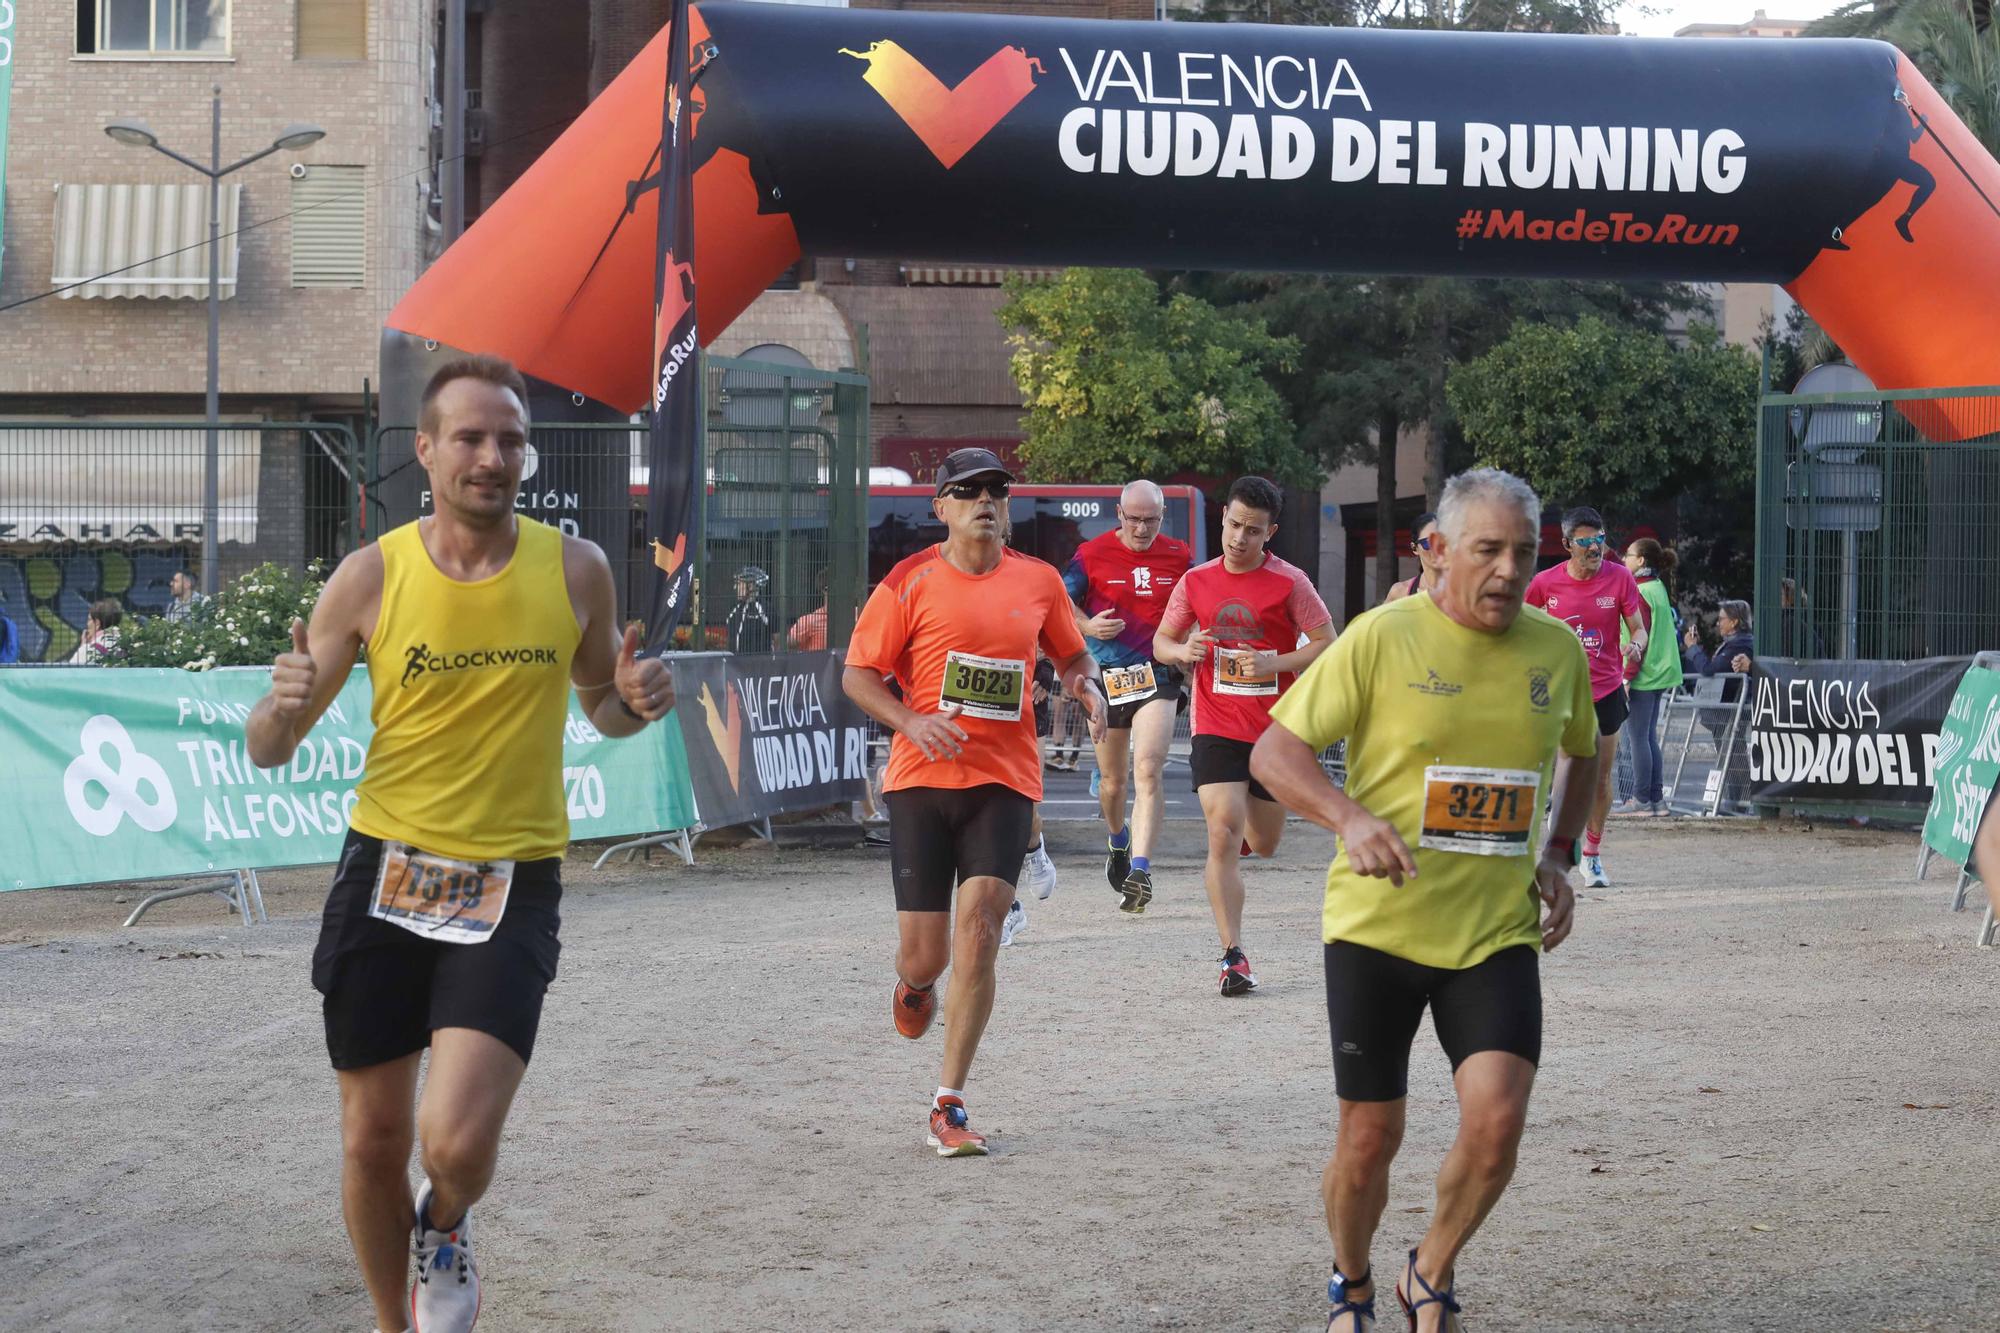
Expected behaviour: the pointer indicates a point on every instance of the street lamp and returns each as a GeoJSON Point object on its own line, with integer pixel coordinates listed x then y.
{"type": "Point", "coordinates": [292, 138]}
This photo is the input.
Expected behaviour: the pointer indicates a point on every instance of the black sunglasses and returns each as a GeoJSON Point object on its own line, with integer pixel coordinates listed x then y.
{"type": "Point", "coordinates": [972, 490]}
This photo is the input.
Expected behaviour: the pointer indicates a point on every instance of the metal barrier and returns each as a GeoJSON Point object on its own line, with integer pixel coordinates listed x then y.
{"type": "Point", "coordinates": [111, 510]}
{"type": "Point", "coordinates": [1720, 761]}
{"type": "Point", "coordinates": [1873, 541]}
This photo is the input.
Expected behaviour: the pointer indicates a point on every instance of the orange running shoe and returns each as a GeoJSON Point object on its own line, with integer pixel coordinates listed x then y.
{"type": "Point", "coordinates": [951, 1133]}
{"type": "Point", "coordinates": [913, 1009]}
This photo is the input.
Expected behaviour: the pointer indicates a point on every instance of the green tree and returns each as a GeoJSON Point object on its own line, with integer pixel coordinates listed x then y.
{"type": "Point", "coordinates": [1590, 412]}
{"type": "Point", "coordinates": [1122, 381]}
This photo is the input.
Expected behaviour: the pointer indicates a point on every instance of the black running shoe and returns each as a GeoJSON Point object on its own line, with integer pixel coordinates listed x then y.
{"type": "Point", "coordinates": [1137, 891]}
{"type": "Point", "coordinates": [1117, 866]}
{"type": "Point", "coordinates": [1237, 978]}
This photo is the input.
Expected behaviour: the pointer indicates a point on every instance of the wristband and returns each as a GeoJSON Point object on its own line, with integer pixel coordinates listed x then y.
{"type": "Point", "coordinates": [1562, 848]}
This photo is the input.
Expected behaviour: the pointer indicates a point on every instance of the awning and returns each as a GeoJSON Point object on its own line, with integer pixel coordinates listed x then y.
{"type": "Point", "coordinates": [103, 230]}
{"type": "Point", "coordinates": [948, 275]}
{"type": "Point", "coordinates": [129, 483]}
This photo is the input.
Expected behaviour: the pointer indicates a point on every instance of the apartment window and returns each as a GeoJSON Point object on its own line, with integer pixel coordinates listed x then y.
{"type": "Point", "coordinates": [333, 29]}
{"type": "Point", "coordinates": [152, 27]}
{"type": "Point", "coordinates": [329, 227]}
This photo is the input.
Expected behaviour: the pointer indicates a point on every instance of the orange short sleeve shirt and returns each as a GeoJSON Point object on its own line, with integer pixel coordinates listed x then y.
{"type": "Point", "coordinates": [971, 639]}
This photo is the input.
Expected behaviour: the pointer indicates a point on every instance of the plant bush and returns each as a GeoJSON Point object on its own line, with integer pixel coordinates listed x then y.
{"type": "Point", "coordinates": [247, 623]}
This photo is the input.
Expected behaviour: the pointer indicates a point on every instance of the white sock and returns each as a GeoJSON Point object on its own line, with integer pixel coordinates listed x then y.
{"type": "Point", "coordinates": [944, 1092]}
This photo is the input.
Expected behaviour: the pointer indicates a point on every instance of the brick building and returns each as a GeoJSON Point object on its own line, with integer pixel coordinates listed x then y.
{"type": "Point", "coordinates": [105, 272]}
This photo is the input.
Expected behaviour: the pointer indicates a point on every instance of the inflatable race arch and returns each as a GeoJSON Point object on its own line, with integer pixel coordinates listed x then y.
{"type": "Point", "coordinates": [1829, 166]}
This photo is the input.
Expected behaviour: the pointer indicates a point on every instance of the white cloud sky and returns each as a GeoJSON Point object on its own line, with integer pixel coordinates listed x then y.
{"type": "Point", "coordinates": [1662, 19]}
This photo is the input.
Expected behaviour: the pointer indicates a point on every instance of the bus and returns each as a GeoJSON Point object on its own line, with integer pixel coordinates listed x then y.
{"type": "Point", "coordinates": [1050, 522]}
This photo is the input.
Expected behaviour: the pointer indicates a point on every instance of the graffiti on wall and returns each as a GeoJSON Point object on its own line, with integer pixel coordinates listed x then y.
{"type": "Point", "coordinates": [47, 596]}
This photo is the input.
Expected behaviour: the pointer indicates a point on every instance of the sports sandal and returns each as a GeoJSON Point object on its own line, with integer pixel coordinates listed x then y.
{"type": "Point", "coordinates": [1432, 1296]}
{"type": "Point", "coordinates": [1361, 1313]}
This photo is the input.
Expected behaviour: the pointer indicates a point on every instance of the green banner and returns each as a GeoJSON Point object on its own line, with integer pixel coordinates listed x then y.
{"type": "Point", "coordinates": [6, 95]}
{"type": "Point", "coordinates": [121, 774]}
{"type": "Point", "coordinates": [1968, 764]}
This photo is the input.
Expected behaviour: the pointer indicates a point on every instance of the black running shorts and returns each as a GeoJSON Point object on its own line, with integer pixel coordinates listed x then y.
{"type": "Point", "coordinates": [1375, 1001]}
{"type": "Point", "coordinates": [1167, 686]}
{"type": "Point", "coordinates": [1612, 710]}
{"type": "Point", "coordinates": [1224, 759]}
{"type": "Point", "coordinates": [940, 837]}
{"type": "Point", "coordinates": [386, 989]}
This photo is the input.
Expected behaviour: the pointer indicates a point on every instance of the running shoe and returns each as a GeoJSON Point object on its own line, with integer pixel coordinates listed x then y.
{"type": "Point", "coordinates": [913, 1009]}
{"type": "Point", "coordinates": [951, 1131]}
{"type": "Point", "coordinates": [1137, 891]}
{"type": "Point", "coordinates": [1593, 873]}
{"type": "Point", "coordinates": [1237, 978]}
{"type": "Point", "coordinates": [1117, 866]}
{"type": "Point", "coordinates": [445, 1298]}
{"type": "Point", "coordinates": [1016, 922]}
{"type": "Point", "coordinates": [1038, 872]}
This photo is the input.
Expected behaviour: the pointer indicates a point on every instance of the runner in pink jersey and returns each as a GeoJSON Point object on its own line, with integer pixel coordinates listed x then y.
{"type": "Point", "coordinates": [1594, 596]}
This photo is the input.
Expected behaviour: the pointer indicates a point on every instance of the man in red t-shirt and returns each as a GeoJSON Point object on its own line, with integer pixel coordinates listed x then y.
{"type": "Point", "coordinates": [958, 625]}
{"type": "Point", "coordinates": [1236, 624]}
{"type": "Point", "coordinates": [1122, 581]}
{"type": "Point", "coordinates": [1594, 597]}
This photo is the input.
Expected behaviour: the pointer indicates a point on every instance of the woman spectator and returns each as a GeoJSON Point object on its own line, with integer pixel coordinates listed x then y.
{"type": "Point", "coordinates": [100, 633]}
{"type": "Point", "coordinates": [1734, 653]}
{"type": "Point", "coordinates": [1430, 572]}
{"type": "Point", "coordinates": [1653, 676]}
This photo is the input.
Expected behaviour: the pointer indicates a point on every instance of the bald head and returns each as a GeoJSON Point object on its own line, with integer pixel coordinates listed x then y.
{"type": "Point", "coordinates": [1141, 508]}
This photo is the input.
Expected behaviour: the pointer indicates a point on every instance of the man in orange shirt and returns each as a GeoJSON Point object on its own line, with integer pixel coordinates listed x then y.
{"type": "Point", "coordinates": [957, 625]}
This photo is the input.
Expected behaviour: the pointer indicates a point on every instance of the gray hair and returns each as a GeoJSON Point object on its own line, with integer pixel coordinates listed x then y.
{"type": "Point", "coordinates": [1736, 611]}
{"type": "Point", "coordinates": [1480, 485]}
{"type": "Point", "coordinates": [1141, 490]}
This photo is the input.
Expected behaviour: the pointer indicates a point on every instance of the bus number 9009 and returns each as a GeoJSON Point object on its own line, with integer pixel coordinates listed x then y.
{"type": "Point", "coordinates": [1082, 508]}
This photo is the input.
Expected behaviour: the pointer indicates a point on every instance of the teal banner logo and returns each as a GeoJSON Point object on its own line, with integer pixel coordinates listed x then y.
{"type": "Point", "coordinates": [122, 774]}
{"type": "Point", "coordinates": [1968, 765]}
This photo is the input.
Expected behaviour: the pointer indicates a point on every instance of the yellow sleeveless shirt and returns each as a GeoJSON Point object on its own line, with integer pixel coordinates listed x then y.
{"type": "Point", "coordinates": [471, 685]}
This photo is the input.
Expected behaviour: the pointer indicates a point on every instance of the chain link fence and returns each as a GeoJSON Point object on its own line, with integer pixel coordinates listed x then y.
{"type": "Point", "coordinates": [1874, 540]}
{"type": "Point", "coordinates": [96, 511]}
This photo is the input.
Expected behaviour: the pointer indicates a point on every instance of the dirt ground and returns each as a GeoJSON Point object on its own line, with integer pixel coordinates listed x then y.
{"type": "Point", "coordinates": [1768, 1101]}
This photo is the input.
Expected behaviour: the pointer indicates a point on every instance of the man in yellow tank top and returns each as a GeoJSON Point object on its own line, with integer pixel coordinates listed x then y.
{"type": "Point", "coordinates": [441, 928]}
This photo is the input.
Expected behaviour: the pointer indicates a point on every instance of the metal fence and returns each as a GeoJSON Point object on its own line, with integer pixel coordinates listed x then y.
{"type": "Point", "coordinates": [1874, 539]}
{"type": "Point", "coordinates": [786, 456]}
{"type": "Point", "coordinates": [111, 510]}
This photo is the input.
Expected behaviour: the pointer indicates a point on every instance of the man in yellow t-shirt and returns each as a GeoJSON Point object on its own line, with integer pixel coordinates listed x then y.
{"type": "Point", "coordinates": [1453, 704]}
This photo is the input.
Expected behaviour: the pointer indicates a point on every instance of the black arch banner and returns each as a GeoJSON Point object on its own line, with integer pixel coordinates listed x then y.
{"type": "Point", "coordinates": [1829, 166]}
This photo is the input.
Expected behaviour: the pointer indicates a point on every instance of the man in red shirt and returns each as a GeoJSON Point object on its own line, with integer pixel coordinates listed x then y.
{"type": "Point", "coordinates": [958, 625]}
{"type": "Point", "coordinates": [1593, 596]}
{"type": "Point", "coordinates": [1122, 581]}
{"type": "Point", "coordinates": [1237, 623]}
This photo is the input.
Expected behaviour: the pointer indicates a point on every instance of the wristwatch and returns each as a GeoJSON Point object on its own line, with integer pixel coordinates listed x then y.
{"type": "Point", "coordinates": [1563, 848]}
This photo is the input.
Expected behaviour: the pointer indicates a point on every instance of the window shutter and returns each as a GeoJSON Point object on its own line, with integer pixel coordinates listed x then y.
{"type": "Point", "coordinates": [333, 29]}
{"type": "Point", "coordinates": [329, 228]}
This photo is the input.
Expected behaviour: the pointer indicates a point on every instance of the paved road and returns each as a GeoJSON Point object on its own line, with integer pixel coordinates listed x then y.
{"type": "Point", "coordinates": [1067, 795]}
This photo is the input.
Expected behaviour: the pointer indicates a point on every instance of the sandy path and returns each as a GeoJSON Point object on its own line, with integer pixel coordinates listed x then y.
{"type": "Point", "coordinates": [720, 1130]}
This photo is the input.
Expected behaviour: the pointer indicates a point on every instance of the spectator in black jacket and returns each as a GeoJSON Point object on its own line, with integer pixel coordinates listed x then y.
{"type": "Point", "coordinates": [1734, 653]}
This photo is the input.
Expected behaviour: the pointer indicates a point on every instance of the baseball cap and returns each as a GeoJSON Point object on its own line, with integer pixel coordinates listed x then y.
{"type": "Point", "coordinates": [964, 464]}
